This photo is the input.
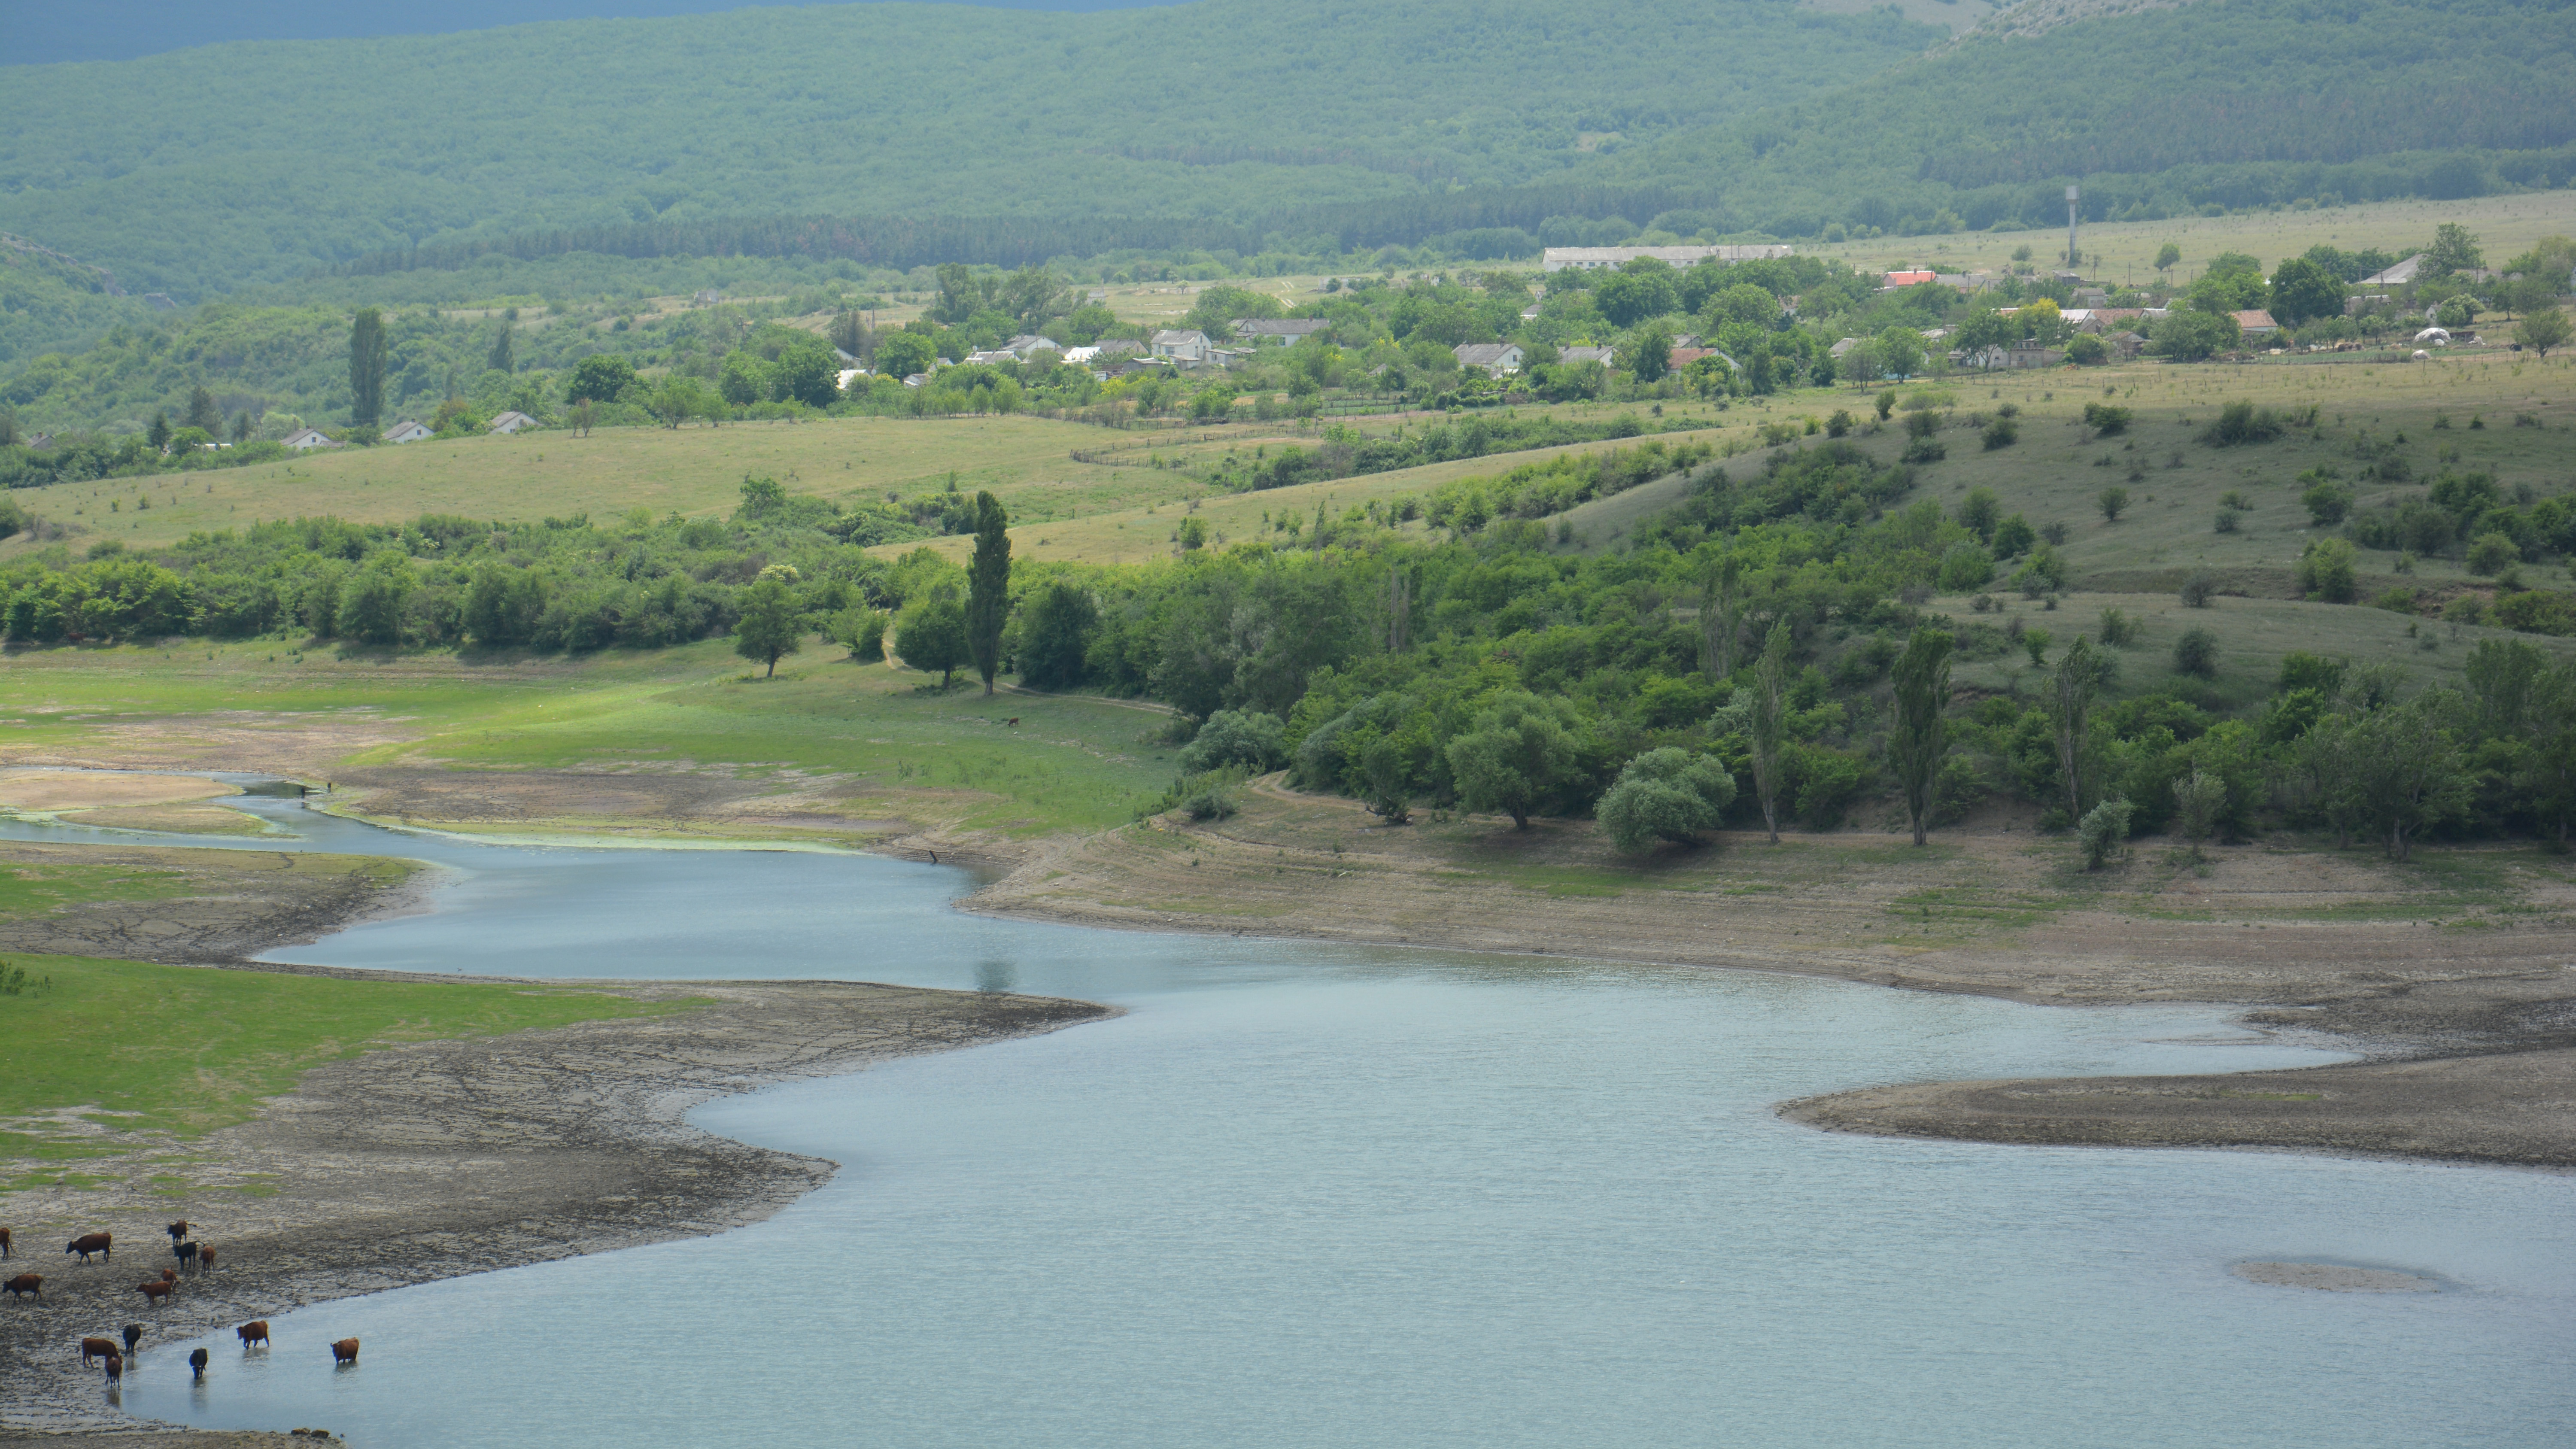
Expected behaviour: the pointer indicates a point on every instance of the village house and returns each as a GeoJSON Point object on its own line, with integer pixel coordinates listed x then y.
{"type": "Point", "coordinates": [304, 438]}
{"type": "Point", "coordinates": [1178, 346]}
{"type": "Point", "coordinates": [1494, 358]}
{"type": "Point", "coordinates": [2257, 323]}
{"type": "Point", "coordinates": [511, 422]}
{"type": "Point", "coordinates": [1557, 259]}
{"type": "Point", "coordinates": [2396, 276]}
{"type": "Point", "coordinates": [2031, 352]}
{"type": "Point", "coordinates": [2127, 344]}
{"type": "Point", "coordinates": [408, 431]}
{"type": "Point", "coordinates": [1606, 356]}
{"type": "Point", "coordinates": [1287, 332]}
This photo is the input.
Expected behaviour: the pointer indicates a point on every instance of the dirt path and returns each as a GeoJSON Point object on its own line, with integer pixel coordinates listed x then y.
{"type": "Point", "coordinates": [435, 1160]}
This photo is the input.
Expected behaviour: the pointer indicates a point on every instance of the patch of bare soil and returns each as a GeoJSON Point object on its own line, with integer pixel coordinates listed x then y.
{"type": "Point", "coordinates": [2432, 971]}
{"type": "Point", "coordinates": [434, 1160]}
{"type": "Point", "coordinates": [51, 791]}
{"type": "Point", "coordinates": [200, 905]}
{"type": "Point", "coordinates": [292, 746]}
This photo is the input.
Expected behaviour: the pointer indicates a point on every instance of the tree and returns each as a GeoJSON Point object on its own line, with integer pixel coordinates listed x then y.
{"type": "Point", "coordinates": [2167, 256]}
{"type": "Point", "coordinates": [2194, 336]}
{"type": "Point", "coordinates": [806, 374]}
{"type": "Point", "coordinates": [1899, 351]}
{"type": "Point", "coordinates": [602, 378]}
{"type": "Point", "coordinates": [864, 631]}
{"type": "Point", "coordinates": [503, 604]}
{"type": "Point", "coordinates": [743, 379]}
{"type": "Point", "coordinates": [1921, 737]}
{"type": "Point", "coordinates": [1665, 794]}
{"type": "Point", "coordinates": [1979, 512]}
{"type": "Point", "coordinates": [1769, 725]}
{"type": "Point", "coordinates": [988, 587]}
{"type": "Point", "coordinates": [1055, 636]}
{"type": "Point", "coordinates": [1721, 609]}
{"type": "Point", "coordinates": [367, 350]}
{"type": "Point", "coordinates": [202, 412]}
{"type": "Point", "coordinates": [2199, 799]}
{"type": "Point", "coordinates": [1517, 752]}
{"type": "Point", "coordinates": [771, 625]}
{"type": "Point", "coordinates": [2102, 830]}
{"type": "Point", "coordinates": [1248, 738]}
{"type": "Point", "coordinates": [2542, 330]}
{"type": "Point", "coordinates": [2404, 771]}
{"type": "Point", "coordinates": [2196, 654]}
{"type": "Point", "coordinates": [499, 359]}
{"type": "Point", "coordinates": [2453, 250]}
{"type": "Point", "coordinates": [2112, 501]}
{"type": "Point", "coordinates": [158, 435]}
{"type": "Point", "coordinates": [2079, 676]}
{"type": "Point", "coordinates": [1654, 355]}
{"type": "Point", "coordinates": [932, 637]}
{"type": "Point", "coordinates": [2302, 291]}
{"type": "Point", "coordinates": [903, 354]}
{"type": "Point", "coordinates": [1983, 330]}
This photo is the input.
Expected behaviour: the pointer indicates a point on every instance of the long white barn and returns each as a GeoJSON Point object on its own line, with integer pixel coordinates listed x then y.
{"type": "Point", "coordinates": [1557, 259]}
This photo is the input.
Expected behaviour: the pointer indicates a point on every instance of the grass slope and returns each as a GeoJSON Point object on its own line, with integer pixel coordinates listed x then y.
{"type": "Point", "coordinates": [187, 1049]}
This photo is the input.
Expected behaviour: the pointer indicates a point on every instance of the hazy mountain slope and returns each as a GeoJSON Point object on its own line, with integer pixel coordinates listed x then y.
{"type": "Point", "coordinates": [2233, 101]}
{"type": "Point", "coordinates": [203, 169]}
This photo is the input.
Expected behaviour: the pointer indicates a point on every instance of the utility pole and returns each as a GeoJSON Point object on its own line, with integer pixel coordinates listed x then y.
{"type": "Point", "coordinates": [2074, 258]}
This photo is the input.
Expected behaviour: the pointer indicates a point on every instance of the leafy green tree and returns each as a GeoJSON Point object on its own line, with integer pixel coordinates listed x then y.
{"type": "Point", "coordinates": [1519, 750]}
{"type": "Point", "coordinates": [771, 626]}
{"type": "Point", "coordinates": [806, 374]}
{"type": "Point", "coordinates": [2187, 336]}
{"type": "Point", "coordinates": [371, 603]}
{"type": "Point", "coordinates": [743, 379]}
{"type": "Point", "coordinates": [1640, 289]}
{"type": "Point", "coordinates": [2167, 257]}
{"type": "Point", "coordinates": [988, 587]}
{"type": "Point", "coordinates": [1899, 351]}
{"type": "Point", "coordinates": [2325, 570]}
{"type": "Point", "coordinates": [2196, 654]}
{"type": "Point", "coordinates": [681, 397]}
{"type": "Point", "coordinates": [601, 378]}
{"type": "Point", "coordinates": [1249, 738]}
{"type": "Point", "coordinates": [202, 413]}
{"type": "Point", "coordinates": [367, 351]}
{"type": "Point", "coordinates": [2404, 770]}
{"type": "Point", "coordinates": [2199, 800]}
{"type": "Point", "coordinates": [1721, 616]}
{"type": "Point", "coordinates": [1979, 511]}
{"type": "Point", "coordinates": [2302, 291]}
{"type": "Point", "coordinates": [1769, 726]}
{"type": "Point", "coordinates": [2233, 283]}
{"type": "Point", "coordinates": [503, 604]}
{"type": "Point", "coordinates": [500, 358]}
{"type": "Point", "coordinates": [2014, 537]}
{"type": "Point", "coordinates": [1744, 303]}
{"type": "Point", "coordinates": [1983, 329]}
{"type": "Point", "coordinates": [905, 354]}
{"type": "Point", "coordinates": [1920, 739]}
{"type": "Point", "coordinates": [2113, 501]}
{"type": "Point", "coordinates": [2102, 831]}
{"type": "Point", "coordinates": [932, 637]}
{"type": "Point", "coordinates": [1665, 794]}
{"type": "Point", "coordinates": [2543, 330]}
{"type": "Point", "coordinates": [2079, 678]}
{"type": "Point", "coordinates": [1653, 358]}
{"type": "Point", "coordinates": [864, 631]}
{"type": "Point", "coordinates": [2453, 250]}
{"type": "Point", "coordinates": [1055, 636]}
{"type": "Point", "coordinates": [158, 435]}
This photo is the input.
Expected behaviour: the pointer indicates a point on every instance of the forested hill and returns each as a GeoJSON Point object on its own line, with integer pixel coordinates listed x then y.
{"type": "Point", "coordinates": [196, 172]}
{"type": "Point", "coordinates": [2224, 102]}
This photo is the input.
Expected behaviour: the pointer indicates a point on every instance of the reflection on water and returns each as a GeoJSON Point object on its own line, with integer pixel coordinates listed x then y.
{"type": "Point", "coordinates": [1305, 1196]}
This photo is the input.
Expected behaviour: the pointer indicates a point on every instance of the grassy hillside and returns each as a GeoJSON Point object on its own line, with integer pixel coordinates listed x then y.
{"type": "Point", "coordinates": [285, 155]}
{"type": "Point", "coordinates": [2229, 103]}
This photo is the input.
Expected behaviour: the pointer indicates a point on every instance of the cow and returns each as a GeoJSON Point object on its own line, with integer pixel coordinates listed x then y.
{"type": "Point", "coordinates": [205, 1259]}
{"type": "Point", "coordinates": [26, 1283]}
{"type": "Point", "coordinates": [178, 1231]}
{"type": "Point", "coordinates": [4, 1245]}
{"type": "Point", "coordinates": [93, 1349]}
{"type": "Point", "coordinates": [186, 1253]}
{"type": "Point", "coordinates": [255, 1331]}
{"type": "Point", "coordinates": [345, 1351]}
{"type": "Point", "coordinates": [155, 1290]}
{"type": "Point", "coordinates": [197, 1363]}
{"type": "Point", "coordinates": [133, 1336]}
{"type": "Point", "coordinates": [169, 1275]}
{"type": "Point", "coordinates": [88, 1243]}
{"type": "Point", "coordinates": [115, 1369]}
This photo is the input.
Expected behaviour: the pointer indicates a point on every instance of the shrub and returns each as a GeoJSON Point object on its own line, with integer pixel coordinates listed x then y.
{"type": "Point", "coordinates": [2325, 570]}
{"type": "Point", "coordinates": [2118, 629]}
{"type": "Point", "coordinates": [1666, 794]}
{"type": "Point", "coordinates": [2197, 589]}
{"type": "Point", "coordinates": [2086, 350]}
{"type": "Point", "coordinates": [1925, 450]}
{"type": "Point", "coordinates": [2013, 537]}
{"type": "Point", "coordinates": [2492, 553]}
{"type": "Point", "coordinates": [1839, 424]}
{"type": "Point", "coordinates": [2399, 600]}
{"type": "Point", "coordinates": [2241, 423]}
{"type": "Point", "coordinates": [1966, 566]}
{"type": "Point", "coordinates": [2327, 502]}
{"type": "Point", "coordinates": [1238, 737]}
{"type": "Point", "coordinates": [1211, 805]}
{"type": "Point", "coordinates": [2054, 533]}
{"type": "Point", "coordinates": [2102, 830]}
{"type": "Point", "coordinates": [2113, 501]}
{"type": "Point", "coordinates": [864, 630]}
{"type": "Point", "coordinates": [2196, 654]}
{"type": "Point", "coordinates": [2002, 433]}
{"type": "Point", "coordinates": [2106, 419]}
{"type": "Point", "coordinates": [2225, 522]}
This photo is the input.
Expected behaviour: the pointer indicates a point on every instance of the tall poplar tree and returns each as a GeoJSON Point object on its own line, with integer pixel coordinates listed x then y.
{"type": "Point", "coordinates": [367, 349]}
{"type": "Point", "coordinates": [988, 587]}
{"type": "Point", "coordinates": [2078, 677]}
{"type": "Point", "coordinates": [500, 358]}
{"type": "Point", "coordinates": [1922, 734]}
{"type": "Point", "coordinates": [1769, 725]}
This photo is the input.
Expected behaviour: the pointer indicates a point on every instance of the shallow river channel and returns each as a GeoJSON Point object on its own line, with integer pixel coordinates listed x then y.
{"type": "Point", "coordinates": [1314, 1196]}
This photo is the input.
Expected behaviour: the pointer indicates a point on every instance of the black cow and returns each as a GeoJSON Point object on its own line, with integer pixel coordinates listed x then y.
{"type": "Point", "coordinates": [197, 1361]}
{"type": "Point", "coordinates": [186, 1253]}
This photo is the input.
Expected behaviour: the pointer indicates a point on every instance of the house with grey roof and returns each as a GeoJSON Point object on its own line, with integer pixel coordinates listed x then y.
{"type": "Point", "coordinates": [1286, 331]}
{"type": "Point", "coordinates": [511, 422]}
{"type": "Point", "coordinates": [1173, 345]}
{"type": "Point", "coordinates": [303, 439]}
{"type": "Point", "coordinates": [1494, 358]}
{"type": "Point", "coordinates": [1606, 356]}
{"type": "Point", "coordinates": [408, 431]}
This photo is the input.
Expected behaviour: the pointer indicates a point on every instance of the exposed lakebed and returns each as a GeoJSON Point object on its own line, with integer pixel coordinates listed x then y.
{"type": "Point", "coordinates": [1304, 1195]}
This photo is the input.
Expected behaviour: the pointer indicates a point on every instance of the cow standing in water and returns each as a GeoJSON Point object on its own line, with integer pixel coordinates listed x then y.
{"type": "Point", "coordinates": [133, 1336]}
{"type": "Point", "coordinates": [88, 1243]}
{"type": "Point", "coordinates": [344, 1352]}
{"type": "Point", "coordinates": [255, 1331]}
{"type": "Point", "coordinates": [197, 1364]}
{"type": "Point", "coordinates": [115, 1370]}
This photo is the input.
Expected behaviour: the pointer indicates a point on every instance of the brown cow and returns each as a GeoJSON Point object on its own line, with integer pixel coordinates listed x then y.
{"type": "Point", "coordinates": [133, 1336]}
{"type": "Point", "coordinates": [4, 1244]}
{"type": "Point", "coordinates": [197, 1362]}
{"type": "Point", "coordinates": [205, 1258]}
{"type": "Point", "coordinates": [96, 1348]}
{"type": "Point", "coordinates": [25, 1283]}
{"type": "Point", "coordinates": [115, 1368]}
{"type": "Point", "coordinates": [255, 1331]}
{"type": "Point", "coordinates": [169, 1275]}
{"type": "Point", "coordinates": [178, 1230]}
{"type": "Point", "coordinates": [156, 1290]}
{"type": "Point", "coordinates": [88, 1243]}
{"type": "Point", "coordinates": [345, 1351]}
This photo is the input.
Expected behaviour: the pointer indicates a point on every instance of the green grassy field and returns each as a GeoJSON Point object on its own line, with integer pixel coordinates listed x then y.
{"type": "Point", "coordinates": [185, 1049]}
{"type": "Point", "coordinates": [869, 742]}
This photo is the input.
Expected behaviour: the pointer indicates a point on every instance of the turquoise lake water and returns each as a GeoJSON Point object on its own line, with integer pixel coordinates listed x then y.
{"type": "Point", "coordinates": [1314, 1196]}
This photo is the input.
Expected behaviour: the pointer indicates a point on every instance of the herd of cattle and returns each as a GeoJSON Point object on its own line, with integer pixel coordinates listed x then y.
{"type": "Point", "coordinates": [189, 1253]}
